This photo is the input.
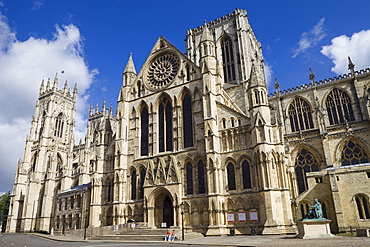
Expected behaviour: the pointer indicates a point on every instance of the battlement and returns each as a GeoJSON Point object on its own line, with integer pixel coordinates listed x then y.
{"type": "Point", "coordinates": [324, 81]}
{"type": "Point", "coordinates": [219, 20]}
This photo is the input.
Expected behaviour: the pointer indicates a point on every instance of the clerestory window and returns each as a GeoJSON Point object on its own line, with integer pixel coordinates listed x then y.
{"type": "Point", "coordinates": [353, 154]}
{"type": "Point", "coordinates": [305, 162]}
{"type": "Point", "coordinates": [339, 107]}
{"type": "Point", "coordinates": [300, 115]}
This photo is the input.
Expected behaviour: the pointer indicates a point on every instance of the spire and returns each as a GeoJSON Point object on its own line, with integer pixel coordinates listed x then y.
{"type": "Point", "coordinates": [48, 84]}
{"type": "Point", "coordinates": [91, 110]}
{"type": "Point", "coordinates": [75, 91]}
{"type": "Point", "coordinates": [351, 66]}
{"type": "Point", "coordinates": [312, 78]}
{"type": "Point", "coordinates": [206, 35]}
{"type": "Point", "coordinates": [110, 110]}
{"type": "Point", "coordinates": [55, 84]}
{"type": "Point", "coordinates": [104, 107]}
{"type": "Point", "coordinates": [42, 86]}
{"type": "Point", "coordinates": [129, 71]}
{"type": "Point", "coordinates": [65, 87]}
{"type": "Point", "coordinates": [97, 108]}
{"type": "Point", "coordinates": [130, 67]}
{"type": "Point", "coordinates": [254, 79]}
{"type": "Point", "coordinates": [277, 86]}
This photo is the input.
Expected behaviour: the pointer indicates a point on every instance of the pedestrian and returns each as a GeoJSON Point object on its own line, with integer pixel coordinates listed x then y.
{"type": "Point", "coordinates": [173, 235]}
{"type": "Point", "coordinates": [168, 236]}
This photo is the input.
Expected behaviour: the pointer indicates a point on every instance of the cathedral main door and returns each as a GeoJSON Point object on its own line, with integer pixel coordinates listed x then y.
{"type": "Point", "coordinates": [167, 212]}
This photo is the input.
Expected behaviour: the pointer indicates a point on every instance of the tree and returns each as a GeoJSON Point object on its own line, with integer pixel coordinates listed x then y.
{"type": "Point", "coordinates": [4, 208]}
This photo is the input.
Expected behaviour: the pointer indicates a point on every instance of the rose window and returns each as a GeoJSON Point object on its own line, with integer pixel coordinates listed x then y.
{"type": "Point", "coordinates": [163, 70]}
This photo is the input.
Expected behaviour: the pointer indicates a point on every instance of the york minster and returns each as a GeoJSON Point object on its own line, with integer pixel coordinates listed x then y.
{"type": "Point", "coordinates": [197, 136]}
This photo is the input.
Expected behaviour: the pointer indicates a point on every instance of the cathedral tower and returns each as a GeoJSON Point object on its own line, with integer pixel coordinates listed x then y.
{"type": "Point", "coordinates": [46, 167]}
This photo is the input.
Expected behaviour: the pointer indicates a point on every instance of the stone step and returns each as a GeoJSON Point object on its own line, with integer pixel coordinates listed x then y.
{"type": "Point", "coordinates": [130, 237]}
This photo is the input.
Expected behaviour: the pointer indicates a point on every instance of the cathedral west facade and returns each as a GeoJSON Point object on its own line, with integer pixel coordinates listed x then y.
{"type": "Point", "coordinates": [199, 134]}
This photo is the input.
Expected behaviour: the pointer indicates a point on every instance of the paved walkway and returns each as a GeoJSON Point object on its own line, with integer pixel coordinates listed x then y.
{"type": "Point", "coordinates": [247, 240]}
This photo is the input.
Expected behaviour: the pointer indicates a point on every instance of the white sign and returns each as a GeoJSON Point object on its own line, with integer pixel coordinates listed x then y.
{"type": "Point", "coordinates": [253, 215]}
{"type": "Point", "coordinates": [241, 217]}
{"type": "Point", "coordinates": [230, 217]}
{"type": "Point", "coordinates": [164, 225]}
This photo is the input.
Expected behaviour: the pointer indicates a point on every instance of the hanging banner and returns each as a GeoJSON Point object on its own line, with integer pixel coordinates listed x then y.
{"type": "Point", "coordinates": [230, 217]}
{"type": "Point", "coordinates": [253, 215]}
{"type": "Point", "coordinates": [241, 217]}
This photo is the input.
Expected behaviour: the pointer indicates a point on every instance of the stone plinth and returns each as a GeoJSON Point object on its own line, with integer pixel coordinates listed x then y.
{"type": "Point", "coordinates": [314, 229]}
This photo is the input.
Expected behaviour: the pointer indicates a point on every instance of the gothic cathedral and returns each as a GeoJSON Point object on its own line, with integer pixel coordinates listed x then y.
{"type": "Point", "coordinates": [198, 141]}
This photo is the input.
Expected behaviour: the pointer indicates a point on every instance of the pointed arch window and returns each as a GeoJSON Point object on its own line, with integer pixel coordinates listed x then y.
{"type": "Point", "coordinates": [142, 181]}
{"type": "Point", "coordinates": [300, 115]}
{"type": "Point", "coordinates": [58, 128]}
{"type": "Point", "coordinates": [189, 178]}
{"type": "Point", "coordinates": [305, 162]}
{"type": "Point", "coordinates": [109, 191]}
{"type": "Point", "coordinates": [201, 178]}
{"type": "Point", "coordinates": [144, 132]}
{"type": "Point", "coordinates": [353, 154]}
{"type": "Point", "coordinates": [133, 185]}
{"type": "Point", "coordinates": [231, 176]}
{"type": "Point", "coordinates": [165, 125]}
{"type": "Point", "coordinates": [339, 107]}
{"type": "Point", "coordinates": [187, 118]}
{"type": "Point", "coordinates": [362, 203]}
{"type": "Point", "coordinates": [246, 171]}
{"type": "Point", "coordinates": [228, 61]}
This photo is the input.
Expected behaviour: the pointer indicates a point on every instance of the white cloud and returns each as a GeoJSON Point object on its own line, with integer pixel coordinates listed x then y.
{"type": "Point", "coordinates": [311, 38]}
{"type": "Point", "coordinates": [37, 4]}
{"type": "Point", "coordinates": [357, 47]}
{"type": "Point", "coordinates": [23, 66]}
{"type": "Point", "coordinates": [269, 74]}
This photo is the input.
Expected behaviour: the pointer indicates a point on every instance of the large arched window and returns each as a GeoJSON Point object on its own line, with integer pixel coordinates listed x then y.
{"type": "Point", "coordinates": [187, 119]}
{"type": "Point", "coordinates": [231, 176]}
{"type": "Point", "coordinates": [305, 162]}
{"type": "Point", "coordinates": [228, 61]}
{"type": "Point", "coordinates": [144, 132]}
{"type": "Point", "coordinates": [362, 203]}
{"type": "Point", "coordinates": [339, 107]}
{"type": "Point", "coordinates": [201, 178]}
{"type": "Point", "coordinates": [142, 180]}
{"type": "Point", "coordinates": [133, 185]}
{"type": "Point", "coordinates": [300, 115]}
{"type": "Point", "coordinates": [165, 125]}
{"type": "Point", "coordinates": [353, 154]}
{"type": "Point", "coordinates": [246, 171]}
{"type": "Point", "coordinates": [58, 129]}
{"type": "Point", "coordinates": [189, 178]}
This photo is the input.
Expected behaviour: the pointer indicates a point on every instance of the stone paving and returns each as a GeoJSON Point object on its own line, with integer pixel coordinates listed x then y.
{"type": "Point", "coordinates": [242, 241]}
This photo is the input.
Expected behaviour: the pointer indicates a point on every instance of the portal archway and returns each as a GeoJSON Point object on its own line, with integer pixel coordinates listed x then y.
{"type": "Point", "coordinates": [162, 211]}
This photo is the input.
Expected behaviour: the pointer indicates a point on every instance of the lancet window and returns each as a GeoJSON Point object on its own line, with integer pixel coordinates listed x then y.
{"type": "Point", "coordinates": [247, 183]}
{"type": "Point", "coordinates": [201, 178]}
{"type": "Point", "coordinates": [165, 125]}
{"type": "Point", "coordinates": [231, 176]}
{"type": "Point", "coordinates": [228, 61]}
{"type": "Point", "coordinates": [133, 185]}
{"type": "Point", "coordinates": [339, 107]}
{"type": "Point", "coordinates": [300, 115]}
{"type": "Point", "coordinates": [58, 129]}
{"type": "Point", "coordinates": [144, 132]}
{"type": "Point", "coordinates": [353, 154]}
{"type": "Point", "coordinates": [189, 178]}
{"type": "Point", "coordinates": [187, 118]}
{"type": "Point", "coordinates": [142, 180]}
{"type": "Point", "coordinates": [305, 162]}
{"type": "Point", "coordinates": [362, 203]}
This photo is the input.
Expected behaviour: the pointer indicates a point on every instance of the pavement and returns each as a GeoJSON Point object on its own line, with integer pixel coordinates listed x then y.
{"type": "Point", "coordinates": [242, 241]}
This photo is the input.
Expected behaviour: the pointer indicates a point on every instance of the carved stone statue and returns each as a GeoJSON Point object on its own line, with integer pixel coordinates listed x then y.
{"type": "Point", "coordinates": [315, 212]}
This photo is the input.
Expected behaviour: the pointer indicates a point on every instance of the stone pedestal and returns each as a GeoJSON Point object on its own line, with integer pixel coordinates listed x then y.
{"type": "Point", "coordinates": [314, 229]}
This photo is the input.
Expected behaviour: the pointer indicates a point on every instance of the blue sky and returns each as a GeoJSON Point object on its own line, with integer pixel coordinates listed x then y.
{"type": "Point", "coordinates": [91, 41]}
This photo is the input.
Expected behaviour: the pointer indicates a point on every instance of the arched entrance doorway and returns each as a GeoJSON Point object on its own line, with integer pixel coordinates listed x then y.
{"type": "Point", "coordinates": [163, 209]}
{"type": "Point", "coordinates": [168, 212]}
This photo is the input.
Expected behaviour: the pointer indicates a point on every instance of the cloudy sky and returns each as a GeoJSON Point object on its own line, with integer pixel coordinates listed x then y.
{"type": "Point", "coordinates": [91, 41]}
